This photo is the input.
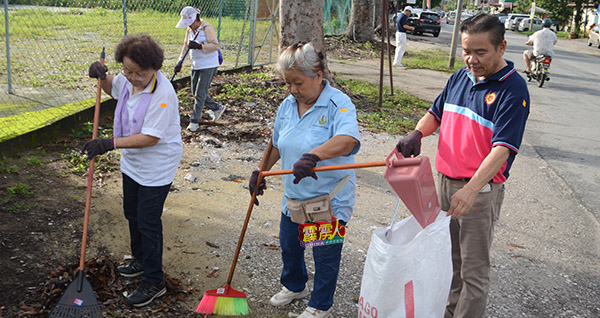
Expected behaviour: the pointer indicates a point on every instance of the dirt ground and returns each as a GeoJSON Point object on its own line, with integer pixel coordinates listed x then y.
{"type": "Point", "coordinates": [538, 271]}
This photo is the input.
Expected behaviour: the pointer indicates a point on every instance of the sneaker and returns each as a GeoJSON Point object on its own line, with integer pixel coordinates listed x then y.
{"type": "Point", "coordinates": [286, 296]}
{"type": "Point", "coordinates": [146, 293]}
{"type": "Point", "coordinates": [219, 113]}
{"type": "Point", "coordinates": [133, 269]}
{"type": "Point", "coordinates": [209, 114]}
{"type": "Point", "coordinates": [193, 127]}
{"type": "Point", "coordinates": [314, 313]}
{"type": "Point", "coordinates": [399, 65]}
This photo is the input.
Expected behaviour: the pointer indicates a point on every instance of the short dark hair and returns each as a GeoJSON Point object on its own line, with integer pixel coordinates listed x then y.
{"type": "Point", "coordinates": [482, 23]}
{"type": "Point", "coordinates": [141, 49]}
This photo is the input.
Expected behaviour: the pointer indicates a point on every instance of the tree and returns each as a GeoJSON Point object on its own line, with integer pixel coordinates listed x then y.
{"type": "Point", "coordinates": [301, 20]}
{"type": "Point", "coordinates": [558, 10]}
{"type": "Point", "coordinates": [360, 28]}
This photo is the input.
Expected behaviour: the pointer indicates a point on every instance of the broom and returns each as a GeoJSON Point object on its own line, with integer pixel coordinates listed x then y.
{"type": "Point", "coordinates": [79, 299]}
{"type": "Point", "coordinates": [226, 300]}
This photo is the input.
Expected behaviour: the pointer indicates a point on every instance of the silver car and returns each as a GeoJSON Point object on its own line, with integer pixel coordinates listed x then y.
{"type": "Point", "coordinates": [510, 23]}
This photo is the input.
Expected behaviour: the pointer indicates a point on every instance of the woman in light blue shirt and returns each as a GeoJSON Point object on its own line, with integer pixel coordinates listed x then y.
{"type": "Point", "coordinates": [315, 126]}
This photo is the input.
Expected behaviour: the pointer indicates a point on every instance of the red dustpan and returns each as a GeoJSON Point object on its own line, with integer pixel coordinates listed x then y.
{"type": "Point", "coordinates": [412, 180]}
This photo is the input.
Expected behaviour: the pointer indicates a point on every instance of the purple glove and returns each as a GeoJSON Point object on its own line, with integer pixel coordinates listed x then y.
{"type": "Point", "coordinates": [98, 146]}
{"type": "Point", "coordinates": [252, 185]}
{"type": "Point", "coordinates": [195, 45]}
{"type": "Point", "coordinates": [97, 70]}
{"type": "Point", "coordinates": [303, 167]}
{"type": "Point", "coordinates": [410, 145]}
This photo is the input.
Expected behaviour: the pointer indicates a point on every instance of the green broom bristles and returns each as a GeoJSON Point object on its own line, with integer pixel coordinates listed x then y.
{"type": "Point", "coordinates": [231, 306]}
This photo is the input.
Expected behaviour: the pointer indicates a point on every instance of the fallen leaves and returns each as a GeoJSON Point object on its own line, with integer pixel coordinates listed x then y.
{"type": "Point", "coordinates": [515, 245]}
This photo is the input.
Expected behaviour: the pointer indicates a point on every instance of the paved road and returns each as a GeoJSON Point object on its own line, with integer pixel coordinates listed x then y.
{"type": "Point", "coordinates": [563, 125]}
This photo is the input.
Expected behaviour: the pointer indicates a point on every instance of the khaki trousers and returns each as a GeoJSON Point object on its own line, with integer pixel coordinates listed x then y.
{"type": "Point", "coordinates": [471, 237]}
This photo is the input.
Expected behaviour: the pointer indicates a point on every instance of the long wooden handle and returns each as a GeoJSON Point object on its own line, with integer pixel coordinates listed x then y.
{"type": "Point", "coordinates": [262, 167]}
{"type": "Point", "coordinates": [328, 168]}
{"type": "Point", "coordinates": [88, 196]}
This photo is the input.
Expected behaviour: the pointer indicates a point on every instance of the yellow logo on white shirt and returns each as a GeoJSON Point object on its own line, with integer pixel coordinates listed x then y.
{"type": "Point", "coordinates": [323, 120]}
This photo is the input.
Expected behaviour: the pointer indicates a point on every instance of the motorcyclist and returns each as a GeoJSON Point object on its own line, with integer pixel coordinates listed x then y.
{"type": "Point", "coordinates": [543, 44]}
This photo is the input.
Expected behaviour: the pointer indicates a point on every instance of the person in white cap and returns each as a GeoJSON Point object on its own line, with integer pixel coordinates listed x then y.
{"type": "Point", "coordinates": [401, 28]}
{"type": "Point", "coordinates": [202, 43]}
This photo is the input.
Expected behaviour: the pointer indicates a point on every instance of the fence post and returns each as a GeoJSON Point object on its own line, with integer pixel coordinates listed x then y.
{"type": "Point", "coordinates": [252, 32]}
{"type": "Point", "coordinates": [7, 47]}
{"type": "Point", "coordinates": [125, 16]}
{"type": "Point", "coordinates": [219, 25]}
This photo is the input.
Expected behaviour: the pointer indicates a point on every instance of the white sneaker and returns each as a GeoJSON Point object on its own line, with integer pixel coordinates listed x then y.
{"type": "Point", "coordinates": [399, 65]}
{"type": "Point", "coordinates": [314, 313]}
{"type": "Point", "coordinates": [218, 113]}
{"type": "Point", "coordinates": [193, 127]}
{"type": "Point", "coordinates": [286, 296]}
{"type": "Point", "coordinates": [209, 114]}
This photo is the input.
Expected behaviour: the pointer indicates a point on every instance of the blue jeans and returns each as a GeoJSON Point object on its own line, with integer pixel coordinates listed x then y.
{"type": "Point", "coordinates": [143, 208]}
{"type": "Point", "coordinates": [201, 80]}
{"type": "Point", "coordinates": [294, 276]}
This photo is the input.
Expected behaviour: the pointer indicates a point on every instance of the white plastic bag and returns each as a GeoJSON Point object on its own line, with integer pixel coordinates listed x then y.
{"type": "Point", "coordinates": [409, 275]}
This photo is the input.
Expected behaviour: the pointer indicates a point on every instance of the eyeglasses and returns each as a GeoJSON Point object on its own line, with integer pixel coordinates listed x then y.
{"type": "Point", "coordinates": [138, 76]}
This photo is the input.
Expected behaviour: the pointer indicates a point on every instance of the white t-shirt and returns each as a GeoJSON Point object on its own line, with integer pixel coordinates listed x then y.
{"type": "Point", "coordinates": [543, 42]}
{"type": "Point", "coordinates": [201, 60]}
{"type": "Point", "coordinates": [155, 165]}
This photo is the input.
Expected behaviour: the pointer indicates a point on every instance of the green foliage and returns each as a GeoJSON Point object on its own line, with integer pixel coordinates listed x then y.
{"type": "Point", "coordinates": [20, 207]}
{"type": "Point", "coordinates": [246, 89]}
{"type": "Point", "coordinates": [20, 189]}
{"type": "Point", "coordinates": [558, 10]}
{"type": "Point", "coordinates": [33, 161]}
{"type": "Point", "coordinates": [6, 167]}
{"type": "Point", "coordinates": [398, 114]}
{"type": "Point", "coordinates": [430, 59]}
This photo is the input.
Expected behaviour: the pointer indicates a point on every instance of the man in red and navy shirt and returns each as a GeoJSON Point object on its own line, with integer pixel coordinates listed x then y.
{"type": "Point", "coordinates": [481, 114]}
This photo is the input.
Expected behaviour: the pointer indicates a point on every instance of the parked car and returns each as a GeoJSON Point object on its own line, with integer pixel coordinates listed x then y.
{"type": "Point", "coordinates": [526, 22]}
{"type": "Point", "coordinates": [594, 36]}
{"type": "Point", "coordinates": [464, 16]}
{"type": "Point", "coordinates": [502, 18]}
{"type": "Point", "coordinates": [425, 22]}
{"type": "Point", "coordinates": [511, 23]}
{"type": "Point", "coordinates": [450, 17]}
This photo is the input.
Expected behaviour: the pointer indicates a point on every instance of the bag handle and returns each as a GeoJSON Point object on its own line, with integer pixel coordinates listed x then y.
{"type": "Point", "coordinates": [388, 232]}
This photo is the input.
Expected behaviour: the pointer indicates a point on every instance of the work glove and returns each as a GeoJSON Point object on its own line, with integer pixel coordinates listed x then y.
{"type": "Point", "coordinates": [303, 167]}
{"type": "Point", "coordinates": [410, 145]}
{"type": "Point", "coordinates": [195, 45]}
{"type": "Point", "coordinates": [252, 185]}
{"type": "Point", "coordinates": [98, 146]}
{"type": "Point", "coordinates": [177, 68]}
{"type": "Point", "coordinates": [97, 70]}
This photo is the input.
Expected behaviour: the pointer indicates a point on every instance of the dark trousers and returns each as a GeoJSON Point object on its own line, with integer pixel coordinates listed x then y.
{"type": "Point", "coordinates": [143, 208]}
{"type": "Point", "coordinates": [294, 276]}
{"type": "Point", "coordinates": [201, 80]}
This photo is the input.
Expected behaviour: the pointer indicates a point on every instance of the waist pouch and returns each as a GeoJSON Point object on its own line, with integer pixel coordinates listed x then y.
{"type": "Point", "coordinates": [310, 211]}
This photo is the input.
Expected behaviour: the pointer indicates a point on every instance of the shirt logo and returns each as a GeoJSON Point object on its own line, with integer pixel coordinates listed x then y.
{"type": "Point", "coordinates": [323, 120]}
{"type": "Point", "coordinates": [490, 98]}
{"type": "Point", "coordinates": [163, 105]}
{"type": "Point", "coordinates": [343, 110]}
{"type": "Point", "coordinates": [524, 103]}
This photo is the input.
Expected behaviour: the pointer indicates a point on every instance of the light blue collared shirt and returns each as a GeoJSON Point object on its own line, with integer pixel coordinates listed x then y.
{"type": "Point", "coordinates": [333, 114]}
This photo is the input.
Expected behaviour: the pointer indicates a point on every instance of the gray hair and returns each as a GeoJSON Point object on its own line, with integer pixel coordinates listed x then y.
{"type": "Point", "coordinates": [301, 56]}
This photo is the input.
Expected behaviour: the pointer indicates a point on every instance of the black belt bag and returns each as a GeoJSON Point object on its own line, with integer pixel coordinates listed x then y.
{"type": "Point", "coordinates": [316, 209]}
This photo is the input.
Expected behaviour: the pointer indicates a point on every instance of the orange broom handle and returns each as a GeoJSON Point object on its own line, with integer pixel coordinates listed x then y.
{"type": "Point", "coordinates": [88, 196]}
{"type": "Point", "coordinates": [328, 168]}
{"type": "Point", "coordinates": [263, 165]}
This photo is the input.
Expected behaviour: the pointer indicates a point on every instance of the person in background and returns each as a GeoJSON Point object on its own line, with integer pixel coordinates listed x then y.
{"type": "Point", "coordinates": [543, 42]}
{"type": "Point", "coordinates": [147, 129]}
{"type": "Point", "coordinates": [401, 28]}
{"type": "Point", "coordinates": [481, 114]}
{"type": "Point", "coordinates": [315, 125]}
{"type": "Point", "coordinates": [201, 40]}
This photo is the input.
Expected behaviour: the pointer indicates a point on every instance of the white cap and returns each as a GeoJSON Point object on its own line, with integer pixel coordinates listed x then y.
{"type": "Point", "coordinates": [188, 16]}
{"type": "Point", "coordinates": [409, 8]}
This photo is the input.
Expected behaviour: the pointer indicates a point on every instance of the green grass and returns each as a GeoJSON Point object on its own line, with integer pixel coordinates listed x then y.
{"type": "Point", "coordinates": [436, 60]}
{"type": "Point", "coordinates": [25, 122]}
{"type": "Point", "coordinates": [398, 114]}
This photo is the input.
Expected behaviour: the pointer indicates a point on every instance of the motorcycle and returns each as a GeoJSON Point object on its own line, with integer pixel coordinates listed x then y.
{"type": "Point", "coordinates": [539, 69]}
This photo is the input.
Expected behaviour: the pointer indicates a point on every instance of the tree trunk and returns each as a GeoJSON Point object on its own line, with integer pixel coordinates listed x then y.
{"type": "Point", "coordinates": [301, 20]}
{"type": "Point", "coordinates": [360, 28]}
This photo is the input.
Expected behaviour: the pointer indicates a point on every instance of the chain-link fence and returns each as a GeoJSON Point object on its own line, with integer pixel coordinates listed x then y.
{"type": "Point", "coordinates": [49, 45]}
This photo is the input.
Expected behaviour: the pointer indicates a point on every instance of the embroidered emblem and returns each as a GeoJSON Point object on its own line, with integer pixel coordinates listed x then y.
{"type": "Point", "coordinates": [524, 103]}
{"type": "Point", "coordinates": [163, 105]}
{"type": "Point", "coordinates": [490, 98]}
{"type": "Point", "coordinates": [343, 110]}
{"type": "Point", "coordinates": [323, 120]}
